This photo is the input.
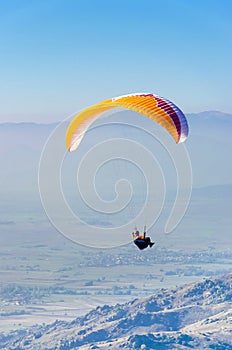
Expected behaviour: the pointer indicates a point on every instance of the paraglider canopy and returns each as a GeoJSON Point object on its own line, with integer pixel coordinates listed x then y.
{"type": "Point", "coordinates": [159, 109]}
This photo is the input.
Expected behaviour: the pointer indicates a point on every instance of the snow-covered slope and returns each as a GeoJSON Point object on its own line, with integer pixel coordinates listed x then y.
{"type": "Point", "coordinates": [192, 316]}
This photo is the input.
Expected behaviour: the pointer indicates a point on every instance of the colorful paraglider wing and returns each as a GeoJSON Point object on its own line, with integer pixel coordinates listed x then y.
{"type": "Point", "coordinates": [159, 109]}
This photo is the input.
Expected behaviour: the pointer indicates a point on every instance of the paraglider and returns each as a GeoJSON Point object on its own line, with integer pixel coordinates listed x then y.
{"type": "Point", "coordinates": [159, 109]}
{"type": "Point", "coordinates": [141, 241]}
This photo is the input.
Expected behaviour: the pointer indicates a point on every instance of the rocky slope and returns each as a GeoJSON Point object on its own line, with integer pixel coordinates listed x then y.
{"type": "Point", "coordinates": [192, 316]}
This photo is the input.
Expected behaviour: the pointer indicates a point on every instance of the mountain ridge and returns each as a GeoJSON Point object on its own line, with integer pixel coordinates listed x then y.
{"type": "Point", "coordinates": [175, 318]}
{"type": "Point", "coordinates": [204, 114]}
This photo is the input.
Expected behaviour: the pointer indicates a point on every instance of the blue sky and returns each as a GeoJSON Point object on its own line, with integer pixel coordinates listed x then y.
{"type": "Point", "coordinates": [59, 56]}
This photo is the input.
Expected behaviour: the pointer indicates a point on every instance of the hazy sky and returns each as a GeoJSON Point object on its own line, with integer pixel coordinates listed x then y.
{"type": "Point", "coordinates": [59, 56]}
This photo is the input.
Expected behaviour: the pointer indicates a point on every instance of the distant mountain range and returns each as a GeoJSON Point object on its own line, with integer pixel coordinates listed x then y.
{"type": "Point", "coordinates": [209, 145]}
{"type": "Point", "coordinates": [196, 316]}
{"type": "Point", "coordinates": [211, 115]}
{"type": "Point", "coordinates": [210, 124]}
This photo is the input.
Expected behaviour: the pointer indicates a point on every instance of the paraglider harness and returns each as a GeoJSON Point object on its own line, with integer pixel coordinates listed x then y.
{"type": "Point", "coordinates": [142, 242]}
